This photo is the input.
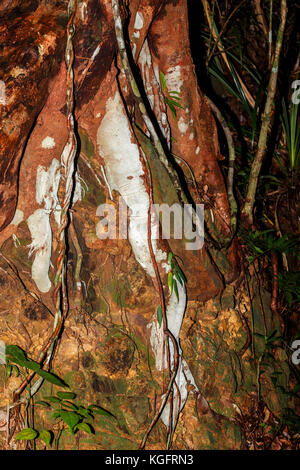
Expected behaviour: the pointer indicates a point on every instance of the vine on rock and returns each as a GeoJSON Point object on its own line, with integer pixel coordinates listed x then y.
{"type": "Point", "coordinates": [68, 168]}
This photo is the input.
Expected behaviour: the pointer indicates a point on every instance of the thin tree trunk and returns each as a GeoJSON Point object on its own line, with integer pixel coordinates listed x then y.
{"type": "Point", "coordinates": [247, 211]}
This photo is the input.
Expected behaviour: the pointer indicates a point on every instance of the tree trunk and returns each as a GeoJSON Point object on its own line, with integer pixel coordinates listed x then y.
{"type": "Point", "coordinates": [179, 378]}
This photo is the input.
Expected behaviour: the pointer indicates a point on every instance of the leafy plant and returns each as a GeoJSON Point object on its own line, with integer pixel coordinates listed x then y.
{"type": "Point", "coordinates": [171, 98]}
{"type": "Point", "coordinates": [74, 416]}
{"type": "Point", "coordinates": [289, 285]}
{"type": "Point", "coordinates": [16, 355]}
{"type": "Point", "coordinates": [263, 242]}
{"type": "Point", "coordinates": [292, 420]}
{"type": "Point", "coordinates": [174, 276]}
{"type": "Point", "coordinates": [236, 90]}
{"type": "Point", "coordinates": [269, 344]}
{"type": "Point", "coordinates": [291, 130]}
{"type": "Point", "coordinates": [234, 84]}
{"type": "Point", "coordinates": [27, 434]}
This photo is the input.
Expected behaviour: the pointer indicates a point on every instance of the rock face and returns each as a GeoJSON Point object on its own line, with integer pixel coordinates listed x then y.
{"type": "Point", "coordinates": [30, 57]}
{"type": "Point", "coordinates": [112, 344]}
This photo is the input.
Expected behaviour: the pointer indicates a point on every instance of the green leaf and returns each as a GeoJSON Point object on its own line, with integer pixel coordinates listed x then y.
{"type": "Point", "coordinates": [259, 335]}
{"type": "Point", "coordinates": [84, 411]}
{"type": "Point", "coordinates": [8, 370]}
{"type": "Point", "coordinates": [176, 289]}
{"type": "Point", "coordinates": [171, 106]}
{"type": "Point", "coordinates": [53, 399]}
{"type": "Point", "coordinates": [16, 354]}
{"type": "Point", "coordinates": [173, 111]}
{"type": "Point", "coordinates": [180, 273]}
{"type": "Point", "coordinates": [173, 102]}
{"type": "Point", "coordinates": [46, 436]}
{"type": "Point", "coordinates": [263, 425]}
{"type": "Point", "coordinates": [170, 256]}
{"type": "Point", "coordinates": [85, 427]}
{"type": "Point", "coordinates": [271, 335]}
{"type": "Point", "coordinates": [50, 377]}
{"type": "Point", "coordinates": [42, 403]}
{"type": "Point", "coordinates": [70, 418]}
{"type": "Point", "coordinates": [71, 405]}
{"type": "Point", "coordinates": [100, 411]}
{"type": "Point", "coordinates": [272, 338]}
{"type": "Point", "coordinates": [178, 278]}
{"type": "Point", "coordinates": [163, 80]}
{"type": "Point", "coordinates": [159, 315]}
{"type": "Point", "coordinates": [27, 434]}
{"type": "Point", "coordinates": [66, 395]}
{"type": "Point", "coordinates": [170, 282]}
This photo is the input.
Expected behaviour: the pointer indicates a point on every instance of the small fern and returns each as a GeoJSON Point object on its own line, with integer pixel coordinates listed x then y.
{"type": "Point", "coordinates": [289, 285]}
{"type": "Point", "coordinates": [263, 242]}
{"type": "Point", "coordinates": [171, 98]}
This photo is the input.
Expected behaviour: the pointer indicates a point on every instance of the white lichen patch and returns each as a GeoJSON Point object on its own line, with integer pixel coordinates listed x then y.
{"type": "Point", "coordinates": [66, 153]}
{"type": "Point", "coordinates": [124, 173]}
{"type": "Point", "coordinates": [159, 254]}
{"type": "Point", "coordinates": [41, 234]}
{"type": "Point", "coordinates": [197, 150]}
{"type": "Point", "coordinates": [156, 73]}
{"type": "Point", "coordinates": [79, 189]}
{"type": "Point", "coordinates": [145, 63]}
{"type": "Point", "coordinates": [139, 20]}
{"type": "Point", "coordinates": [133, 50]}
{"type": "Point", "coordinates": [122, 159]}
{"type": "Point", "coordinates": [173, 78]}
{"type": "Point", "coordinates": [48, 143]}
{"type": "Point", "coordinates": [175, 310]}
{"type": "Point", "coordinates": [82, 10]}
{"type": "Point", "coordinates": [47, 183]}
{"type": "Point", "coordinates": [18, 217]}
{"type": "Point", "coordinates": [191, 136]}
{"type": "Point", "coordinates": [157, 345]}
{"type": "Point", "coordinates": [175, 314]}
{"type": "Point", "coordinates": [145, 57]}
{"type": "Point", "coordinates": [182, 125]}
{"type": "Point", "coordinates": [164, 118]}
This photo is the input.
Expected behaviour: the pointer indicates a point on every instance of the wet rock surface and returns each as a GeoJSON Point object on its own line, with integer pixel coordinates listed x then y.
{"type": "Point", "coordinates": [104, 352]}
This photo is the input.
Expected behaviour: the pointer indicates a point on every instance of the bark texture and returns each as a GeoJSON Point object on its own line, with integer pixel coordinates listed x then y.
{"type": "Point", "coordinates": [111, 350]}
